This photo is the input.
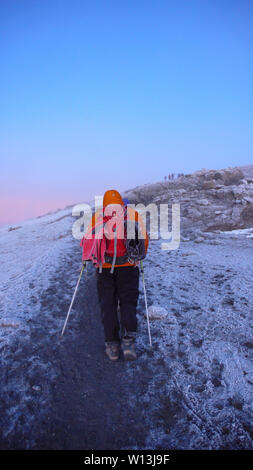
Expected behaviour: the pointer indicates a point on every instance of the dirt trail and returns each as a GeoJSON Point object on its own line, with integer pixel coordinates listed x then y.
{"type": "Point", "coordinates": [90, 399]}
{"type": "Point", "coordinates": [74, 397]}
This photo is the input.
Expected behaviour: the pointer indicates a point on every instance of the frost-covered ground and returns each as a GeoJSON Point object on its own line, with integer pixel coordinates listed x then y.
{"type": "Point", "coordinates": [30, 252]}
{"type": "Point", "coordinates": [205, 343]}
{"type": "Point", "coordinates": [194, 391]}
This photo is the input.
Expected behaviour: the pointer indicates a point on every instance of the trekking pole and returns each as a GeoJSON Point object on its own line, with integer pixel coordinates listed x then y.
{"type": "Point", "coordinates": [73, 298]}
{"type": "Point", "coordinates": [145, 297]}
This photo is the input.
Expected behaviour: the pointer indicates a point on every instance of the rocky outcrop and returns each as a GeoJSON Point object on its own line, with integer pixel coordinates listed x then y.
{"type": "Point", "coordinates": [209, 199]}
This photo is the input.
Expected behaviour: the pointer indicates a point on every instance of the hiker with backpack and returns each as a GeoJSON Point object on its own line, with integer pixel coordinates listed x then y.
{"type": "Point", "coordinates": [116, 256]}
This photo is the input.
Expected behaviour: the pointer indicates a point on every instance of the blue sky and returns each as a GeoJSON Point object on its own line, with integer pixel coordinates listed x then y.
{"type": "Point", "coordinates": [102, 94]}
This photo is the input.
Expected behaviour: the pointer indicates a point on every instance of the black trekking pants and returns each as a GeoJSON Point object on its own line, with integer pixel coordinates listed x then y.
{"type": "Point", "coordinates": [122, 285]}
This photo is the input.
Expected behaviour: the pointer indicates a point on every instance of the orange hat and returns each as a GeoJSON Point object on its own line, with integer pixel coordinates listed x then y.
{"type": "Point", "coordinates": [112, 197]}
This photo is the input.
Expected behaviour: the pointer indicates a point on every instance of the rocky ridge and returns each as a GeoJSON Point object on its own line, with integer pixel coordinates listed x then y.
{"type": "Point", "coordinates": [210, 200]}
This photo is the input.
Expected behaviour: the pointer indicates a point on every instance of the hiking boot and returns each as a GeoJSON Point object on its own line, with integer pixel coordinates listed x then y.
{"type": "Point", "coordinates": [128, 348]}
{"type": "Point", "coordinates": [112, 350]}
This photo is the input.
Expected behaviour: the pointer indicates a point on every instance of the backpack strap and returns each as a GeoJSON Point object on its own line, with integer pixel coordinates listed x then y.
{"type": "Point", "coordinates": [114, 251]}
{"type": "Point", "coordinates": [100, 266]}
{"type": "Point", "coordinates": [100, 254]}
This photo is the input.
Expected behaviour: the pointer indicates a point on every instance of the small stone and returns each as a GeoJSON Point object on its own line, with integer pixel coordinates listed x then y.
{"type": "Point", "coordinates": [248, 344]}
{"type": "Point", "coordinates": [10, 229]}
{"type": "Point", "coordinates": [197, 342]}
{"type": "Point", "coordinates": [157, 313]}
{"type": "Point", "coordinates": [203, 202]}
{"type": "Point", "coordinates": [236, 402]}
{"type": "Point", "coordinates": [182, 350]}
{"type": "Point", "coordinates": [228, 301]}
{"type": "Point", "coordinates": [36, 388]}
{"type": "Point", "coordinates": [199, 240]}
{"type": "Point", "coordinates": [216, 382]}
{"type": "Point", "coordinates": [9, 325]}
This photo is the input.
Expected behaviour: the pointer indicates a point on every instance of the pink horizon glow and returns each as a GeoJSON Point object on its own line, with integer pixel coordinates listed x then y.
{"type": "Point", "coordinates": [15, 210]}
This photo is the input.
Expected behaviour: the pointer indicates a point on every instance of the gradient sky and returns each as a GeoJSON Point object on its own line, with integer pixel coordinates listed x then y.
{"type": "Point", "coordinates": [101, 94]}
